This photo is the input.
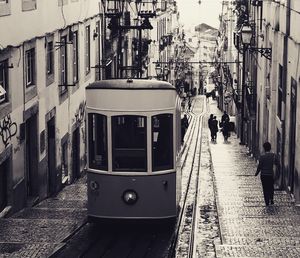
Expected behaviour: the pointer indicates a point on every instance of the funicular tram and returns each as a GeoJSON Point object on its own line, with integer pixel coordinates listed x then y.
{"type": "Point", "coordinates": [133, 138]}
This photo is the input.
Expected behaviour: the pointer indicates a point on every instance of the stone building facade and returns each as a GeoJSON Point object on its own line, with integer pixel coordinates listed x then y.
{"type": "Point", "coordinates": [47, 51]}
{"type": "Point", "coordinates": [267, 82]}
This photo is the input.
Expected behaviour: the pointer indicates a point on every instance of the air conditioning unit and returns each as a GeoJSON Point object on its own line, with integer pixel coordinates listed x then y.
{"type": "Point", "coordinates": [2, 94]}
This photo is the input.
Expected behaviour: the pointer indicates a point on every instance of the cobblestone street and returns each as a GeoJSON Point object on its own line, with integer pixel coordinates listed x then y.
{"type": "Point", "coordinates": [249, 228]}
{"type": "Point", "coordinates": [232, 218]}
{"type": "Point", "coordinates": [40, 231]}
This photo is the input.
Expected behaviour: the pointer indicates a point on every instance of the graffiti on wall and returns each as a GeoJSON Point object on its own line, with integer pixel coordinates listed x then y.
{"type": "Point", "coordinates": [79, 115]}
{"type": "Point", "coordinates": [8, 129]}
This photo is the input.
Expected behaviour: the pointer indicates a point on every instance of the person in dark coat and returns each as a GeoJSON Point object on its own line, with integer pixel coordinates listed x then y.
{"type": "Point", "coordinates": [265, 168]}
{"type": "Point", "coordinates": [214, 128]}
{"type": "Point", "coordinates": [184, 126]}
{"type": "Point", "coordinates": [189, 104]}
{"type": "Point", "coordinates": [225, 125]}
{"type": "Point", "coordinates": [225, 129]}
{"type": "Point", "coordinates": [211, 117]}
{"type": "Point", "coordinates": [225, 117]}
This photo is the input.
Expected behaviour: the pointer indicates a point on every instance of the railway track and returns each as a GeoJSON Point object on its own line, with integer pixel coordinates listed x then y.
{"type": "Point", "coordinates": [148, 240]}
{"type": "Point", "coordinates": [182, 242]}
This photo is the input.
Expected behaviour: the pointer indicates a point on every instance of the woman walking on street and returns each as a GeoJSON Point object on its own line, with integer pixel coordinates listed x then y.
{"type": "Point", "coordinates": [210, 125]}
{"type": "Point", "coordinates": [214, 128]}
{"type": "Point", "coordinates": [265, 167]}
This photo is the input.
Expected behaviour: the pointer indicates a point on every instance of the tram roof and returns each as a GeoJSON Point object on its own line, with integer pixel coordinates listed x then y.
{"type": "Point", "coordinates": [130, 84]}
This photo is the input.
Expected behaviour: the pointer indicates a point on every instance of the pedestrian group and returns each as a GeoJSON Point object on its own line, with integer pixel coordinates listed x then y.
{"type": "Point", "coordinates": [224, 124]}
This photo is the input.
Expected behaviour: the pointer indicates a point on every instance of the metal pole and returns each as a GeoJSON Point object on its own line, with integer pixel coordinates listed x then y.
{"type": "Point", "coordinates": [243, 95]}
{"type": "Point", "coordinates": [140, 54]}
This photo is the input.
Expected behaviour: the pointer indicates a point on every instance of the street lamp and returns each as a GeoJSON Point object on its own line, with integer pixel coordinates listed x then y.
{"type": "Point", "coordinates": [246, 37]}
{"type": "Point", "coordinates": [158, 70]}
{"type": "Point", "coordinates": [246, 34]}
{"type": "Point", "coordinates": [162, 72]}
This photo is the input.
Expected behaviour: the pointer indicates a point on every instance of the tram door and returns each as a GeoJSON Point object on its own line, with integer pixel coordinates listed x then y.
{"type": "Point", "coordinates": [76, 153]}
{"type": "Point", "coordinates": [292, 135]}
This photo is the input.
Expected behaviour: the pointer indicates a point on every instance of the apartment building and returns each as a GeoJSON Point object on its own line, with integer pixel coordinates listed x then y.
{"type": "Point", "coordinates": [47, 53]}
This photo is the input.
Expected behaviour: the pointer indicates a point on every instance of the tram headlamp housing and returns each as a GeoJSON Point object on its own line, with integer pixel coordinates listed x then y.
{"type": "Point", "coordinates": [130, 197]}
{"type": "Point", "coordinates": [94, 185]}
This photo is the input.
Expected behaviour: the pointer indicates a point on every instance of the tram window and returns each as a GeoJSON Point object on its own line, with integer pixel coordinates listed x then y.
{"type": "Point", "coordinates": [129, 140]}
{"type": "Point", "coordinates": [162, 142]}
{"type": "Point", "coordinates": [97, 125]}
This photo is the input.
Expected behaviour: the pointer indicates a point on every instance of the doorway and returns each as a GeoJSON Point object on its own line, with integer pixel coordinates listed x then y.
{"type": "Point", "coordinates": [76, 153]}
{"type": "Point", "coordinates": [292, 150]}
{"type": "Point", "coordinates": [51, 150]}
{"type": "Point", "coordinates": [4, 169]}
{"type": "Point", "coordinates": [31, 156]}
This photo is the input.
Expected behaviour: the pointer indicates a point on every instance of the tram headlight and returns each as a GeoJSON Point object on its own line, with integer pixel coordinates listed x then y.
{"type": "Point", "coordinates": [130, 197]}
{"type": "Point", "coordinates": [94, 185]}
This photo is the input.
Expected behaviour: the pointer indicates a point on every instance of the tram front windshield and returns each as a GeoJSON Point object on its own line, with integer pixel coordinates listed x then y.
{"type": "Point", "coordinates": [129, 140]}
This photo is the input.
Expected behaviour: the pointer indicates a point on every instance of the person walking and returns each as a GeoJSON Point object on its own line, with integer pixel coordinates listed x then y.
{"type": "Point", "coordinates": [211, 117]}
{"type": "Point", "coordinates": [225, 117]}
{"type": "Point", "coordinates": [265, 168]}
{"type": "Point", "coordinates": [184, 126]}
{"type": "Point", "coordinates": [214, 128]}
{"type": "Point", "coordinates": [189, 105]}
{"type": "Point", "coordinates": [225, 129]}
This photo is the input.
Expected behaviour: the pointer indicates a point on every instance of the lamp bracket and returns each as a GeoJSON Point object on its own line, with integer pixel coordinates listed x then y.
{"type": "Point", "coordinates": [265, 52]}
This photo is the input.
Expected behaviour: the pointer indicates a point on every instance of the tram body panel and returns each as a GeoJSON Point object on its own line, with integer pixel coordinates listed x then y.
{"type": "Point", "coordinates": [156, 196]}
{"type": "Point", "coordinates": [158, 188]}
{"type": "Point", "coordinates": [130, 100]}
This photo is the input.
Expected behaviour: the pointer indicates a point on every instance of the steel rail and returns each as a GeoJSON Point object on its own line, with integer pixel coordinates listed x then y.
{"type": "Point", "coordinates": [174, 240]}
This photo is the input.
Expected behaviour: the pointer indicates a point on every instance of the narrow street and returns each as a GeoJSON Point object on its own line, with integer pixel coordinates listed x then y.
{"type": "Point", "coordinates": [231, 218]}
{"type": "Point", "coordinates": [249, 228]}
{"type": "Point", "coordinates": [114, 118]}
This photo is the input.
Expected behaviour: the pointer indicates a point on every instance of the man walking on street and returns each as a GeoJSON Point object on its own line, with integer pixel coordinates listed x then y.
{"type": "Point", "coordinates": [265, 167]}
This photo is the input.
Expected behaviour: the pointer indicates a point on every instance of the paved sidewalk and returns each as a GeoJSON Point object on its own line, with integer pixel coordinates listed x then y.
{"type": "Point", "coordinates": [248, 228]}
{"type": "Point", "coordinates": [41, 230]}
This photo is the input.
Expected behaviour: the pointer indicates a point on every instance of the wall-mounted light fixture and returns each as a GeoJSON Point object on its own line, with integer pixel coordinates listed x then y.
{"type": "Point", "coordinates": [246, 34]}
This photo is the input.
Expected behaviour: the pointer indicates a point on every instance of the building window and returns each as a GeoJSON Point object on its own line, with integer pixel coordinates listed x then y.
{"type": "Point", "coordinates": [4, 81]}
{"type": "Point", "coordinates": [62, 2]}
{"type": "Point", "coordinates": [98, 50]}
{"type": "Point", "coordinates": [30, 67]}
{"type": "Point", "coordinates": [50, 58]}
{"type": "Point", "coordinates": [63, 65]}
{"type": "Point", "coordinates": [129, 143]}
{"type": "Point", "coordinates": [4, 7]}
{"type": "Point", "coordinates": [28, 5]}
{"type": "Point", "coordinates": [75, 57]}
{"type": "Point", "coordinates": [280, 92]}
{"type": "Point", "coordinates": [97, 135]}
{"type": "Point", "coordinates": [87, 50]}
{"type": "Point", "coordinates": [162, 142]}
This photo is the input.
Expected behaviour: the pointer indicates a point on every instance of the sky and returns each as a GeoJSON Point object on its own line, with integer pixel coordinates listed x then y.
{"type": "Point", "coordinates": [192, 13]}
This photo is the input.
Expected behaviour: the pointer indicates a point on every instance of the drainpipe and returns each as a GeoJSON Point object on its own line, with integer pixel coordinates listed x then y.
{"type": "Point", "coordinates": [285, 79]}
